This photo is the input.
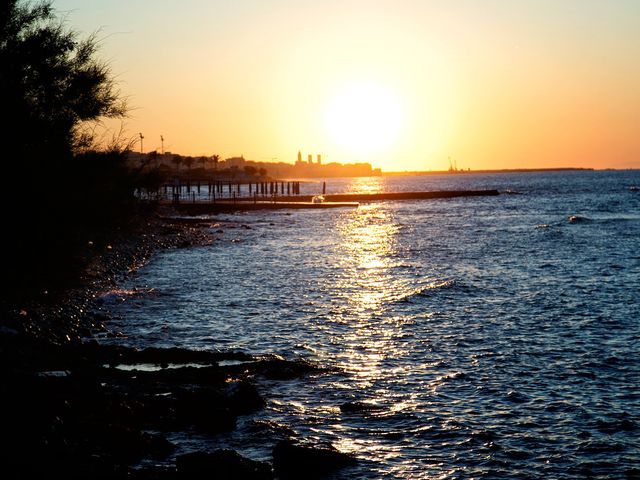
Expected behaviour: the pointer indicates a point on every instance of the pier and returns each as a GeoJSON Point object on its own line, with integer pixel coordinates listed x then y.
{"type": "Point", "coordinates": [374, 197]}
{"type": "Point", "coordinates": [284, 195]}
{"type": "Point", "coordinates": [203, 208]}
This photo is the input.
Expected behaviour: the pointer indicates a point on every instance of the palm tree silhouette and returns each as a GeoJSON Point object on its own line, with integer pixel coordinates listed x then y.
{"type": "Point", "coordinates": [215, 158]}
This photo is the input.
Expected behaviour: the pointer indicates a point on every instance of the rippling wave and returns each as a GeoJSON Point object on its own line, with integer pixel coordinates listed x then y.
{"type": "Point", "coordinates": [475, 337]}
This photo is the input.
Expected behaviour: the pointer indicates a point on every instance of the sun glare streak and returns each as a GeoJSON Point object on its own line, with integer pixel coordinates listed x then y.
{"type": "Point", "coordinates": [368, 241]}
{"type": "Point", "coordinates": [367, 185]}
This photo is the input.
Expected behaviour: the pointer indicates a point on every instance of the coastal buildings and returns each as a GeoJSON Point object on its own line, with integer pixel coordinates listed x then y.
{"type": "Point", "coordinates": [237, 166]}
{"type": "Point", "coordinates": [300, 163]}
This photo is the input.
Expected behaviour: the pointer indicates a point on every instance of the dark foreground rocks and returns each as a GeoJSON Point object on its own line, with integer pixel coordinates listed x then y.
{"type": "Point", "coordinates": [221, 464]}
{"type": "Point", "coordinates": [84, 410]}
{"type": "Point", "coordinates": [295, 460]}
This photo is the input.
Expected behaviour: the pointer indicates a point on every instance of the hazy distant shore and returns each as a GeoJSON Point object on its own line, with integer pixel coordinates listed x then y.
{"type": "Point", "coordinates": [504, 170]}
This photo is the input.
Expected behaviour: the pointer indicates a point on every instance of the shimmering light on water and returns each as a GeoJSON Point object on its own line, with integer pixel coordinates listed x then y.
{"type": "Point", "coordinates": [476, 337]}
{"type": "Point", "coordinates": [366, 240]}
{"type": "Point", "coordinates": [367, 185]}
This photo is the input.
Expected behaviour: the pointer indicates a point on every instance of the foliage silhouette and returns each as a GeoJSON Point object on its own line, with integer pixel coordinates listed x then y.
{"type": "Point", "coordinates": [51, 85]}
{"type": "Point", "coordinates": [54, 90]}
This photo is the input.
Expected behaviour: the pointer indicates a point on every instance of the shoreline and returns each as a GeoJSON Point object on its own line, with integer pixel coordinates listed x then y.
{"type": "Point", "coordinates": [105, 264]}
{"type": "Point", "coordinates": [71, 408]}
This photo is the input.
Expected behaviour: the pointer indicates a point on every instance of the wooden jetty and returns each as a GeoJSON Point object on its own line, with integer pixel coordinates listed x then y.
{"type": "Point", "coordinates": [375, 197]}
{"type": "Point", "coordinates": [202, 208]}
{"type": "Point", "coordinates": [352, 200]}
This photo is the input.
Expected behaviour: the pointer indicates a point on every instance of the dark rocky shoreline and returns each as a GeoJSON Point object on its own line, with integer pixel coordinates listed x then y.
{"type": "Point", "coordinates": [75, 408]}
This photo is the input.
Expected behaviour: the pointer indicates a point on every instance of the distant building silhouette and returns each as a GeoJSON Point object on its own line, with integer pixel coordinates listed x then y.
{"type": "Point", "coordinates": [234, 167]}
{"type": "Point", "coordinates": [235, 161]}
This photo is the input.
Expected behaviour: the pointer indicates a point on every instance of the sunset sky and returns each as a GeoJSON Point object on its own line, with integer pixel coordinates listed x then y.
{"type": "Point", "coordinates": [401, 84]}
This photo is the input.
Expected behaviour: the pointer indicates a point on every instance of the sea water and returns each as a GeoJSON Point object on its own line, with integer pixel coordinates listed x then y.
{"type": "Point", "coordinates": [487, 337]}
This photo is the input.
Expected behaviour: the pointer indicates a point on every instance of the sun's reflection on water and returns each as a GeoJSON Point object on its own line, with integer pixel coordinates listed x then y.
{"type": "Point", "coordinates": [367, 185]}
{"type": "Point", "coordinates": [367, 247]}
{"type": "Point", "coordinates": [365, 277]}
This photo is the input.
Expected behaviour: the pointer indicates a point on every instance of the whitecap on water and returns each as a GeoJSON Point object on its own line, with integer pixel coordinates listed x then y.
{"type": "Point", "coordinates": [123, 293]}
{"type": "Point", "coordinates": [577, 219]}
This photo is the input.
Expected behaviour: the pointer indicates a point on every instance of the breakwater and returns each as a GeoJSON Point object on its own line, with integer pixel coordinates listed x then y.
{"type": "Point", "coordinates": [372, 197]}
{"type": "Point", "coordinates": [202, 208]}
{"type": "Point", "coordinates": [195, 207]}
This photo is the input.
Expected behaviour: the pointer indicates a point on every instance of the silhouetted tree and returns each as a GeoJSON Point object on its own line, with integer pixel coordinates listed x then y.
{"type": "Point", "coordinates": [51, 84]}
{"type": "Point", "coordinates": [53, 92]}
{"type": "Point", "coordinates": [215, 159]}
{"type": "Point", "coordinates": [250, 170]}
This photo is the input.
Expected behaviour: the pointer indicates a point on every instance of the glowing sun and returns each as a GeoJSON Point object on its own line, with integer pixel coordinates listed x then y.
{"type": "Point", "coordinates": [364, 118]}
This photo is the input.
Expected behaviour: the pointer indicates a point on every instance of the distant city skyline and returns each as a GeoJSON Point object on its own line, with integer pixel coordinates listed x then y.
{"type": "Point", "coordinates": [403, 85]}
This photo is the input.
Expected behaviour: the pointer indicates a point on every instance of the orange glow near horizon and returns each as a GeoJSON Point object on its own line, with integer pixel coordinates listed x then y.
{"type": "Point", "coordinates": [403, 85]}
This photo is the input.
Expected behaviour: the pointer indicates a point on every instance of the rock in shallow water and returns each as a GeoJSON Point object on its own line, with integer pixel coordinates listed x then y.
{"type": "Point", "coordinates": [294, 460]}
{"type": "Point", "coordinates": [358, 407]}
{"type": "Point", "coordinates": [221, 464]}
